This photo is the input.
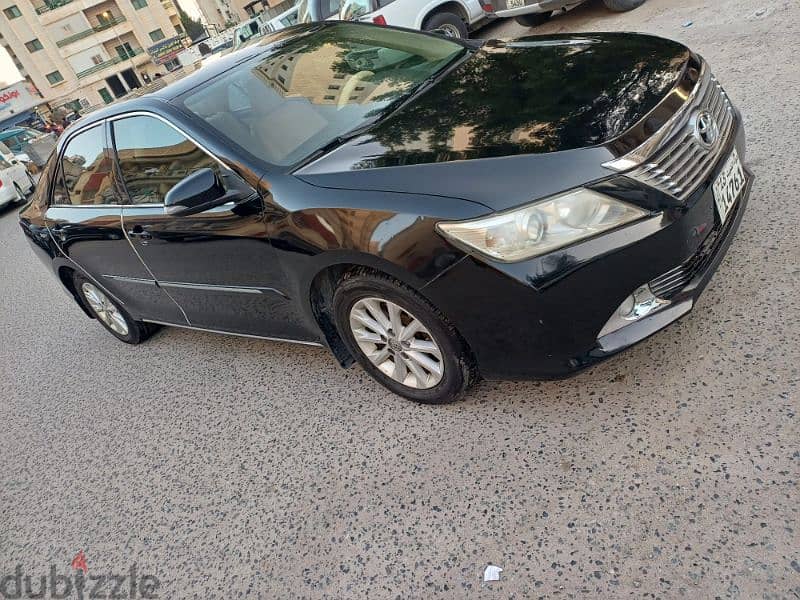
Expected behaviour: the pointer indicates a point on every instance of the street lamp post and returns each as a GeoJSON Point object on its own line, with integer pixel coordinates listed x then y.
{"type": "Point", "coordinates": [107, 14]}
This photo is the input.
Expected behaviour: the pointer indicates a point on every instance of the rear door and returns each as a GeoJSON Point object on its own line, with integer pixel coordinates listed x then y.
{"type": "Point", "coordinates": [218, 264]}
{"type": "Point", "coordinates": [85, 219]}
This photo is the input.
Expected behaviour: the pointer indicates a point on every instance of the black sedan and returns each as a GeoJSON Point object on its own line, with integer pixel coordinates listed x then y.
{"type": "Point", "coordinates": [437, 211]}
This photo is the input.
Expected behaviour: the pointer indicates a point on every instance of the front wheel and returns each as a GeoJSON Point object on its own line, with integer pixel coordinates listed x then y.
{"type": "Point", "coordinates": [622, 5]}
{"type": "Point", "coordinates": [110, 315]}
{"type": "Point", "coordinates": [447, 24]}
{"type": "Point", "coordinates": [401, 340]}
{"type": "Point", "coordinates": [533, 19]}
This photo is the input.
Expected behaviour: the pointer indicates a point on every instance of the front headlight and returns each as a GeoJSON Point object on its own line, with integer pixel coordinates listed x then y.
{"type": "Point", "coordinates": [542, 227]}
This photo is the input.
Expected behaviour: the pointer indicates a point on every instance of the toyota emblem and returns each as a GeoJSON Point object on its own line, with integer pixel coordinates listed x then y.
{"type": "Point", "coordinates": [706, 130]}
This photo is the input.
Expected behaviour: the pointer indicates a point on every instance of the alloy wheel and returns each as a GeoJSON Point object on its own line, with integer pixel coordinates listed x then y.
{"type": "Point", "coordinates": [396, 342]}
{"type": "Point", "coordinates": [104, 308]}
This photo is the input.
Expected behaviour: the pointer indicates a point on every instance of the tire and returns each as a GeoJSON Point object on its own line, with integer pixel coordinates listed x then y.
{"type": "Point", "coordinates": [533, 19]}
{"type": "Point", "coordinates": [447, 24]}
{"type": "Point", "coordinates": [124, 328]}
{"type": "Point", "coordinates": [360, 295]}
{"type": "Point", "coordinates": [622, 5]}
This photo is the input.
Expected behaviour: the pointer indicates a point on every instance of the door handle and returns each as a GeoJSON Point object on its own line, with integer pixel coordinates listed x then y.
{"type": "Point", "coordinates": [140, 232]}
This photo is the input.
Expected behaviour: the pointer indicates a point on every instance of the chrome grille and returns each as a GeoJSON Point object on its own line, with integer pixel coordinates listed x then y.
{"type": "Point", "coordinates": [681, 164]}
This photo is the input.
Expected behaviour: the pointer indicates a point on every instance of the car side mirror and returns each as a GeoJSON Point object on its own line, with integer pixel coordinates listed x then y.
{"type": "Point", "coordinates": [197, 192]}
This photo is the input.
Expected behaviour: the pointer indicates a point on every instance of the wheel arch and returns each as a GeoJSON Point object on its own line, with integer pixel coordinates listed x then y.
{"type": "Point", "coordinates": [66, 277]}
{"type": "Point", "coordinates": [451, 6]}
{"type": "Point", "coordinates": [319, 289]}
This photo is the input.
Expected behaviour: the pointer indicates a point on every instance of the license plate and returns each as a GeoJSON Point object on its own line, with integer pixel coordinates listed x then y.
{"type": "Point", "coordinates": [728, 185]}
{"type": "Point", "coordinates": [515, 3]}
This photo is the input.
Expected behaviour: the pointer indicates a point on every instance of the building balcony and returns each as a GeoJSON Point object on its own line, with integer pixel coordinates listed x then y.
{"type": "Point", "coordinates": [108, 63]}
{"type": "Point", "coordinates": [51, 5]}
{"type": "Point", "coordinates": [87, 32]}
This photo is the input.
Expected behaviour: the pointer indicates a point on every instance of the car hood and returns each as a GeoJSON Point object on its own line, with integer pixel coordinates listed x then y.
{"type": "Point", "coordinates": [514, 109]}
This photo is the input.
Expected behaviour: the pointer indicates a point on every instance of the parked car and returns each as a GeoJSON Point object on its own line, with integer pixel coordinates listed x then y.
{"type": "Point", "coordinates": [286, 19]}
{"type": "Point", "coordinates": [436, 210]}
{"type": "Point", "coordinates": [451, 18]}
{"type": "Point", "coordinates": [250, 29]}
{"type": "Point", "coordinates": [28, 145]}
{"type": "Point", "coordinates": [15, 181]}
{"type": "Point", "coordinates": [537, 12]}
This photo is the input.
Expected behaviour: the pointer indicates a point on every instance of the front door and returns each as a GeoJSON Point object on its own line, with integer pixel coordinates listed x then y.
{"type": "Point", "coordinates": [218, 264]}
{"type": "Point", "coordinates": [85, 219]}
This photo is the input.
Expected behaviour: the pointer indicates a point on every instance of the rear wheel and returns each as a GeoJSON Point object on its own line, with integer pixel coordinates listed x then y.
{"type": "Point", "coordinates": [533, 19]}
{"type": "Point", "coordinates": [110, 315]}
{"type": "Point", "coordinates": [623, 5]}
{"type": "Point", "coordinates": [447, 24]}
{"type": "Point", "coordinates": [401, 340]}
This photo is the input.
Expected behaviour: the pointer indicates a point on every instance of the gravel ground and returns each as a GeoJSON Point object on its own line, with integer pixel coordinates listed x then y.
{"type": "Point", "coordinates": [229, 467]}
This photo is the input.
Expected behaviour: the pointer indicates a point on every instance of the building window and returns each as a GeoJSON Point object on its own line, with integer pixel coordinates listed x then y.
{"type": "Point", "coordinates": [105, 95]}
{"type": "Point", "coordinates": [338, 75]}
{"type": "Point", "coordinates": [97, 59]}
{"type": "Point", "coordinates": [157, 35]}
{"type": "Point", "coordinates": [125, 51]}
{"type": "Point", "coordinates": [137, 4]}
{"type": "Point", "coordinates": [178, 29]}
{"type": "Point", "coordinates": [34, 45]}
{"type": "Point", "coordinates": [54, 77]}
{"type": "Point", "coordinates": [330, 98]}
{"type": "Point", "coordinates": [12, 12]}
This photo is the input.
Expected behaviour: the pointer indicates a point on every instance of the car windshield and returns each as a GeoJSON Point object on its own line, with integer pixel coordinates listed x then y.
{"type": "Point", "coordinates": [310, 89]}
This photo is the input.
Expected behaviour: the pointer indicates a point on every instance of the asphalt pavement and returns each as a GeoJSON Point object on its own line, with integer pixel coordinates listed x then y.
{"type": "Point", "coordinates": [224, 467]}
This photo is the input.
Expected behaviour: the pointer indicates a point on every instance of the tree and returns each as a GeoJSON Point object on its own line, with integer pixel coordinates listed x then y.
{"type": "Point", "coordinates": [193, 27]}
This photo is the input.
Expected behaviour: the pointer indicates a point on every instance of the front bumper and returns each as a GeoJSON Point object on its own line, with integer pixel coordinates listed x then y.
{"type": "Point", "coordinates": [501, 8]}
{"type": "Point", "coordinates": [521, 324]}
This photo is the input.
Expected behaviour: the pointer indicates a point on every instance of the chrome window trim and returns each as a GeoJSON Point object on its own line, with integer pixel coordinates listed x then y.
{"type": "Point", "coordinates": [108, 121]}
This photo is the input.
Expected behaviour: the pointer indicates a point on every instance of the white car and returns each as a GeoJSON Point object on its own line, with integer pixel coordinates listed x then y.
{"type": "Point", "coordinates": [15, 181]}
{"type": "Point", "coordinates": [453, 18]}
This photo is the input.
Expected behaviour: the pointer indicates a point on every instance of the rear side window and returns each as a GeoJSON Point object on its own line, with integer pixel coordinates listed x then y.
{"type": "Point", "coordinates": [86, 170]}
{"type": "Point", "coordinates": [154, 156]}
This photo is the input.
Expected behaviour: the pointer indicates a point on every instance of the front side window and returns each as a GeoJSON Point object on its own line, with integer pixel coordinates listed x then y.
{"type": "Point", "coordinates": [157, 35]}
{"type": "Point", "coordinates": [86, 170]}
{"type": "Point", "coordinates": [303, 93]}
{"type": "Point", "coordinates": [153, 157]}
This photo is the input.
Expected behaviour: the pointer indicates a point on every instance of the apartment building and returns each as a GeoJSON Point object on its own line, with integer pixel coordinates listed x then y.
{"type": "Point", "coordinates": [220, 13]}
{"type": "Point", "coordinates": [85, 53]}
